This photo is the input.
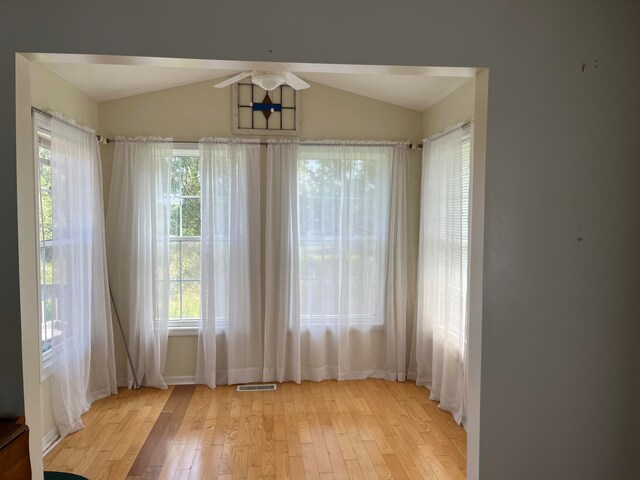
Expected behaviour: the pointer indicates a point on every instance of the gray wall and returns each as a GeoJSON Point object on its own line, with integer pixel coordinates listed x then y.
{"type": "Point", "coordinates": [560, 320]}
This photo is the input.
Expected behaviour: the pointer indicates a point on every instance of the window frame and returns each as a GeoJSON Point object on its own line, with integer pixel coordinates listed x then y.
{"type": "Point", "coordinates": [466, 143]}
{"type": "Point", "coordinates": [180, 326]}
{"type": "Point", "coordinates": [235, 113]}
{"type": "Point", "coordinates": [41, 130]}
{"type": "Point", "coordinates": [365, 321]}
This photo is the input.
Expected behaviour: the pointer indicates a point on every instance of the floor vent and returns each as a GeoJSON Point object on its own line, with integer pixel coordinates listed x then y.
{"type": "Point", "coordinates": [256, 388]}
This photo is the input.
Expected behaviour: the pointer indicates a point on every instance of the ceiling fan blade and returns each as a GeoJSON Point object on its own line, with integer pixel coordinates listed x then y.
{"type": "Point", "coordinates": [234, 79]}
{"type": "Point", "coordinates": [295, 82]}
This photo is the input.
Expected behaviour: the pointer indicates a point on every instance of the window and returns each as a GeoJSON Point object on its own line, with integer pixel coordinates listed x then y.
{"type": "Point", "coordinates": [184, 243]}
{"type": "Point", "coordinates": [457, 267]}
{"type": "Point", "coordinates": [453, 233]}
{"type": "Point", "coordinates": [258, 111]}
{"type": "Point", "coordinates": [343, 195]}
{"type": "Point", "coordinates": [49, 318]}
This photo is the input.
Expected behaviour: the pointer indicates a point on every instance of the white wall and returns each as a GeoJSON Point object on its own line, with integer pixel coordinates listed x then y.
{"type": "Point", "coordinates": [560, 315]}
{"type": "Point", "coordinates": [455, 108]}
{"type": "Point", "coordinates": [198, 110]}
{"type": "Point", "coordinates": [52, 93]}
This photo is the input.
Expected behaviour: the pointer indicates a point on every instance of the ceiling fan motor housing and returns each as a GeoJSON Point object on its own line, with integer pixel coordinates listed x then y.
{"type": "Point", "coordinates": [268, 80]}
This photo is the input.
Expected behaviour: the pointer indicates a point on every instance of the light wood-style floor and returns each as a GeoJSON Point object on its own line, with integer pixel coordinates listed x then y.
{"type": "Point", "coordinates": [366, 429]}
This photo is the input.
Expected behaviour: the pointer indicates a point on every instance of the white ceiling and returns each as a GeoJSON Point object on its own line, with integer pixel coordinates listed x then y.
{"type": "Point", "coordinates": [416, 88]}
{"type": "Point", "coordinates": [106, 82]}
{"type": "Point", "coordinates": [409, 91]}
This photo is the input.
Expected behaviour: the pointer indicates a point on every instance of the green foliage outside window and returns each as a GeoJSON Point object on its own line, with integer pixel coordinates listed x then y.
{"type": "Point", "coordinates": [184, 253]}
{"type": "Point", "coordinates": [49, 303]}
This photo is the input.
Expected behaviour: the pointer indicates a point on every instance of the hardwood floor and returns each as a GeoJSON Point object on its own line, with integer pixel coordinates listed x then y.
{"type": "Point", "coordinates": [365, 429]}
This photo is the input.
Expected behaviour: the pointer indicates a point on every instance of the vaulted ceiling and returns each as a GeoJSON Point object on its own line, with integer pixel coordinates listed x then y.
{"type": "Point", "coordinates": [414, 88]}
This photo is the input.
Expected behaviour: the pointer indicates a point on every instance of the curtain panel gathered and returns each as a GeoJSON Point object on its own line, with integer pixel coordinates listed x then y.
{"type": "Point", "coordinates": [230, 333]}
{"type": "Point", "coordinates": [440, 346]}
{"type": "Point", "coordinates": [282, 298]}
{"type": "Point", "coordinates": [335, 268]}
{"type": "Point", "coordinates": [82, 352]}
{"type": "Point", "coordinates": [138, 248]}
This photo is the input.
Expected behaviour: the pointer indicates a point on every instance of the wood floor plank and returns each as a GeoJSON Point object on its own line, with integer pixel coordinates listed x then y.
{"type": "Point", "coordinates": [410, 457]}
{"type": "Point", "coordinates": [309, 460]}
{"type": "Point", "coordinates": [121, 467]}
{"type": "Point", "coordinates": [296, 468]}
{"type": "Point", "coordinates": [158, 443]}
{"type": "Point", "coordinates": [136, 433]}
{"type": "Point", "coordinates": [364, 429]}
{"type": "Point", "coordinates": [362, 455]}
{"type": "Point", "coordinates": [171, 462]}
{"type": "Point", "coordinates": [211, 468]}
{"type": "Point", "coordinates": [354, 470]}
{"type": "Point", "coordinates": [397, 471]}
{"type": "Point", "coordinates": [335, 455]}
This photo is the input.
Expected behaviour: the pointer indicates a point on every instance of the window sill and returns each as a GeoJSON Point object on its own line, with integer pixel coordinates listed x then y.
{"type": "Point", "coordinates": [183, 331]}
{"type": "Point", "coordinates": [355, 327]}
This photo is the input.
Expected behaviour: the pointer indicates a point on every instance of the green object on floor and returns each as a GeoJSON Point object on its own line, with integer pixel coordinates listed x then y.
{"type": "Point", "coordinates": [63, 476]}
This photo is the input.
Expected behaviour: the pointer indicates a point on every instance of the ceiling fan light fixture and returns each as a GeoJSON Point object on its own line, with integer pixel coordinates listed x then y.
{"type": "Point", "coordinates": [268, 80]}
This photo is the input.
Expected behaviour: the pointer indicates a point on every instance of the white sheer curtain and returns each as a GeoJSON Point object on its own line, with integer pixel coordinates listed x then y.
{"type": "Point", "coordinates": [82, 352]}
{"type": "Point", "coordinates": [282, 286]}
{"type": "Point", "coordinates": [138, 250]}
{"type": "Point", "coordinates": [440, 340]}
{"type": "Point", "coordinates": [397, 287]}
{"type": "Point", "coordinates": [333, 306]}
{"type": "Point", "coordinates": [230, 334]}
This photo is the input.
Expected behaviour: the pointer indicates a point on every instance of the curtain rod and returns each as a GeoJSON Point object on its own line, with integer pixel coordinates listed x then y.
{"type": "Point", "coordinates": [48, 115]}
{"type": "Point", "coordinates": [411, 146]}
{"type": "Point", "coordinates": [262, 142]}
{"type": "Point", "coordinates": [448, 131]}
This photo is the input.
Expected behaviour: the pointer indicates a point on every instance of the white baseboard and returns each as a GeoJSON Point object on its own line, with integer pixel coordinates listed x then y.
{"type": "Point", "coordinates": [50, 440]}
{"type": "Point", "coordinates": [175, 380]}
{"type": "Point", "coordinates": [181, 380]}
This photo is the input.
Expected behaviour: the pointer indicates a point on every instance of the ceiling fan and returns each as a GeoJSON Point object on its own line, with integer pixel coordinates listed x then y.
{"type": "Point", "coordinates": [267, 80]}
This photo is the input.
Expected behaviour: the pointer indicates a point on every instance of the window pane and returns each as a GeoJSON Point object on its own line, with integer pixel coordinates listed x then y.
{"type": "Point", "coordinates": [49, 311]}
{"type": "Point", "coordinates": [175, 176]}
{"type": "Point", "coordinates": [258, 94]}
{"type": "Point", "coordinates": [191, 217]}
{"type": "Point", "coordinates": [174, 260]}
{"type": "Point", "coordinates": [45, 174]}
{"type": "Point", "coordinates": [174, 300]}
{"type": "Point", "coordinates": [43, 270]}
{"type": "Point", "coordinates": [174, 227]}
{"type": "Point", "coordinates": [288, 119]}
{"type": "Point", "coordinates": [46, 342]}
{"type": "Point", "coordinates": [245, 114]}
{"type": "Point", "coordinates": [190, 176]}
{"type": "Point", "coordinates": [47, 253]}
{"type": "Point", "coordinates": [190, 260]}
{"type": "Point", "coordinates": [44, 153]}
{"type": "Point", "coordinates": [275, 95]}
{"type": "Point", "coordinates": [46, 225]}
{"type": "Point", "coordinates": [340, 221]}
{"type": "Point", "coordinates": [48, 291]}
{"type": "Point", "coordinates": [190, 300]}
{"type": "Point", "coordinates": [288, 96]}
{"type": "Point", "coordinates": [259, 121]}
{"type": "Point", "coordinates": [244, 93]}
{"type": "Point", "coordinates": [49, 318]}
{"type": "Point", "coordinates": [185, 222]}
{"type": "Point", "coordinates": [274, 121]}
